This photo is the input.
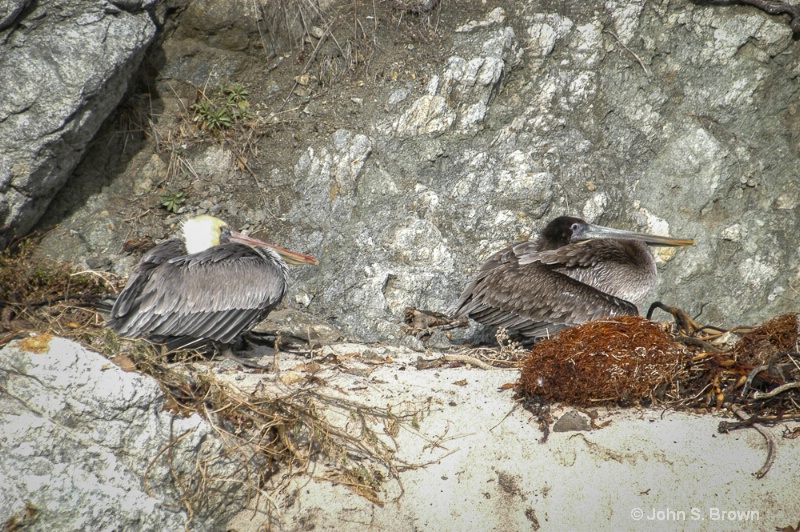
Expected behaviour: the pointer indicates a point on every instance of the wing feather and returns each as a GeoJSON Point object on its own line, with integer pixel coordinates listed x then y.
{"type": "Point", "coordinates": [536, 293]}
{"type": "Point", "coordinates": [123, 314]}
{"type": "Point", "coordinates": [217, 294]}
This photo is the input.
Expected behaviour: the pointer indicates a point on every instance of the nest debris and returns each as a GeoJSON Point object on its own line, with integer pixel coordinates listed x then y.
{"type": "Point", "coordinates": [626, 360]}
{"type": "Point", "coordinates": [623, 361]}
{"type": "Point", "coordinates": [631, 361]}
{"type": "Point", "coordinates": [38, 296]}
{"type": "Point", "coordinates": [268, 432]}
{"type": "Point", "coordinates": [762, 344]}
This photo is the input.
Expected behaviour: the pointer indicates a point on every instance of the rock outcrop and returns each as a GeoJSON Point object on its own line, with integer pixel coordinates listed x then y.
{"type": "Point", "coordinates": [445, 137]}
{"type": "Point", "coordinates": [674, 118]}
{"type": "Point", "coordinates": [89, 446]}
{"type": "Point", "coordinates": [64, 68]}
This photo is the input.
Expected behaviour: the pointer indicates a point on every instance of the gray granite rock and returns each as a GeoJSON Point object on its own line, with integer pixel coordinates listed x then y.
{"type": "Point", "coordinates": [10, 10]}
{"type": "Point", "coordinates": [677, 118]}
{"type": "Point", "coordinates": [64, 68]}
{"type": "Point", "coordinates": [83, 443]}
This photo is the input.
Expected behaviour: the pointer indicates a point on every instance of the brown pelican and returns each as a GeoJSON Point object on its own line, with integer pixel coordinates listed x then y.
{"type": "Point", "coordinates": [573, 272]}
{"type": "Point", "coordinates": [213, 285]}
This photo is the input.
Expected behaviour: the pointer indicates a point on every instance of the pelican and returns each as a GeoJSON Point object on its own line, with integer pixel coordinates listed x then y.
{"type": "Point", "coordinates": [572, 273]}
{"type": "Point", "coordinates": [210, 286]}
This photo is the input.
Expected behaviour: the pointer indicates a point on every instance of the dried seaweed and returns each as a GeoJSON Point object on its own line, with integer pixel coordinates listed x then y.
{"type": "Point", "coordinates": [759, 373]}
{"type": "Point", "coordinates": [625, 360]}
{"type": "Point", "coordinates": [630, 360]}
{"type": "Point", "coordinates": [761, 344]}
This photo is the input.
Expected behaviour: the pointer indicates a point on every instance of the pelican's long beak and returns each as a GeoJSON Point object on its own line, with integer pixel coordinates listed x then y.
{"type": "Point", "coordinates": [598, 231]}
{"type": "Point", "coordinates": [290, 257]}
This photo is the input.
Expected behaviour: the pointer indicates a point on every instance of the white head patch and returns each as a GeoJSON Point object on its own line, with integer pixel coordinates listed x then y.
{"type": "Point", "coordinates": [202, 233]}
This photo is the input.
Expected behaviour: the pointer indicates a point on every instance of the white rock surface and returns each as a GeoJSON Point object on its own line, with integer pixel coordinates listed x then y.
{"type": "Point", "coordinates": [487, 470]}
{"type": "Point", "coordinates": [79, 436]}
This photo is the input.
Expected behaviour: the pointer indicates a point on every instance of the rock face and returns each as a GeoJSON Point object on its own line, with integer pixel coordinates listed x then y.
{"type": "Point", "coordinates": [672, 120]}
{"type": "Point", "coordinates": [676, 118]}
{"type": "Point", "coordinates": [64, 68]}
{"type": "Point", "coordinates": [80, 436]}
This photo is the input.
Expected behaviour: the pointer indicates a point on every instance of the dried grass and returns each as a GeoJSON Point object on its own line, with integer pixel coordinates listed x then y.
{"type": "Point", "coordinates": [48, 297]}
{"type": "Point", "coordinates": [266, 432]}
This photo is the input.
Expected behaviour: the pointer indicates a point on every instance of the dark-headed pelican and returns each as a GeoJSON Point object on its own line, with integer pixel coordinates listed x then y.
{"type": "Point", "coordinates": [212, 285]}
{"type": "Point", "coordinates": [573, 272]}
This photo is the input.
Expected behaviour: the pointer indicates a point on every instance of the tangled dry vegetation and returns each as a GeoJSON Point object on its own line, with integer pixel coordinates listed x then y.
{"type": "Point", "coordinates": [273, 429]}
{"type": "Point", "coordinates": [631, 361]}
{"type": "Point", "coordinates": [624, 361]}
{"type": "Point", "coordinates": [263, 431]}
{"type": "Point", "coordinates": [621, 361]}
{"type": "Point", "coordinates": [37, 297]}
{"type": "Point", "coordinates": [754, 372]}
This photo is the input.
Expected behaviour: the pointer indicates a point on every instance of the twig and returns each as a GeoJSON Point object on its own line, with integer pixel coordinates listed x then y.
{"type": "Point", "coordinates": [771, 443]}
{"type": "Point", "coordinates": [776, 391]}
{"type": "Point", "coordinates": [776, 369]}
{"type": "Point", "coordinates": [750, 377]}
{"type": "Point", "coordinates": [727, 426]}
{"type": "Point", "coordinates": [167, 448]}
{"type": "Point", "coordinates": [697, 342]}
{"type": "Point", "coordinates": [469, 360]}
{"type": "Point", "coordinates": [513, 408]}
{"type": "Point", "coordinates": [83, 298]}
{"type": "Point", "coordinates": [641, 64]}
{"type": "Point", "coordinates": [328, 30]}
{"type": "Point", "coordinates": [104, 276]}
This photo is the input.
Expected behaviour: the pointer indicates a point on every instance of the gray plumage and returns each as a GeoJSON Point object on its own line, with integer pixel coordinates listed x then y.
{"type": "Point", "coordinates": [188, 299]}
{"type": "Point", "coordinates": [568, 275]}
